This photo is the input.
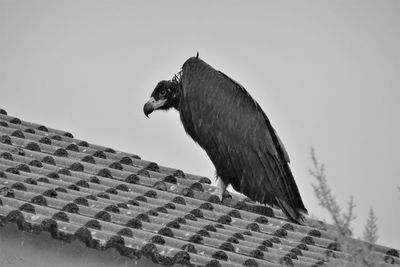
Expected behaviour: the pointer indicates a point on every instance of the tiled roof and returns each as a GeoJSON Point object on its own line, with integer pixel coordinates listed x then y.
{"type": "Point", "coordinates": [51, 181]}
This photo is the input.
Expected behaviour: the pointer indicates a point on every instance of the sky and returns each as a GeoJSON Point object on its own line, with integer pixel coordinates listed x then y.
{"type": "Point", "coordinates": [326, 73]}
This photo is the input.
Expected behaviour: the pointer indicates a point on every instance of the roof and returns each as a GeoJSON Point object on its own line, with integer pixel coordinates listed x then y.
{"type": "Point", "coordinates": [51, 181]}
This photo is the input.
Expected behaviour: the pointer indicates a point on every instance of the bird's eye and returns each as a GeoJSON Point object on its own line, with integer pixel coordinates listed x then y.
{"type": "Point", "coordinates": [163, 92]}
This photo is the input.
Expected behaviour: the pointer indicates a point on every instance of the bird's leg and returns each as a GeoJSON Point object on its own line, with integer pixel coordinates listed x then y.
{"type": "Point", "coordinates": [221, 190]}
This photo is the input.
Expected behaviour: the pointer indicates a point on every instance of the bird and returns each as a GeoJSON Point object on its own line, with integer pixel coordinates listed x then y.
{"type": "Point", "coordinates": [220, 115]}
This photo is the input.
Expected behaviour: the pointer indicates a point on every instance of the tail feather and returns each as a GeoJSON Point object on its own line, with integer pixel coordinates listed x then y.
{"type": "Point", "coordinates": [293, 214]}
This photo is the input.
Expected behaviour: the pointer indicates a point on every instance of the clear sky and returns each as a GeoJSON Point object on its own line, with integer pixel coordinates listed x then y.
{"type": "Point", "coordinates": [327, 73]}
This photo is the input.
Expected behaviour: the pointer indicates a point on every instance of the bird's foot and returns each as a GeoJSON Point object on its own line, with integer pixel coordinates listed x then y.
{"type": "Point", "coordinates": [221, 191]}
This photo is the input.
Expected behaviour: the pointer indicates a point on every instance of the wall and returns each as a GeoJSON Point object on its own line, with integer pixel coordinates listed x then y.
{"type": "Point", "coordinates": [22, 249]}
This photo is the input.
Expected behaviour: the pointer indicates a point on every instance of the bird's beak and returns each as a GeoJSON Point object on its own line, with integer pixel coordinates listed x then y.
{"type": "Point", "coordinates": [152, 105]}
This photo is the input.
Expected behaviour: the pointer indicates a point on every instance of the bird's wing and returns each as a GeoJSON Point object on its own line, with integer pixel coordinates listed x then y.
{"type": "Point", "coordinates": [238, 137]}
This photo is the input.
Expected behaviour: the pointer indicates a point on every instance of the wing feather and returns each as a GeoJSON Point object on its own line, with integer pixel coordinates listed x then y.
{"type": "Point", "coordinates": [228, 123]}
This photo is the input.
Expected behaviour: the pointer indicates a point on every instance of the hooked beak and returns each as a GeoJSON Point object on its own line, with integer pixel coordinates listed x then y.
{"type": "Point", "coordinates": [152, 105]}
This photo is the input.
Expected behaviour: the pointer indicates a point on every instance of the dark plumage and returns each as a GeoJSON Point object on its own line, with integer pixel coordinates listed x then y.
{"type": "Point", "coordinates": [221, 116]}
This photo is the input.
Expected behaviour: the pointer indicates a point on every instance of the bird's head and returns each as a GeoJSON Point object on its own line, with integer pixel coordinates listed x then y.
{"type": "Point", "coordinates": [165, 96]}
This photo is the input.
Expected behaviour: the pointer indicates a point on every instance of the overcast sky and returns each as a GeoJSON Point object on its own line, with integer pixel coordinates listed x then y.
{"type": "Point", "coordinates": [327, 73]}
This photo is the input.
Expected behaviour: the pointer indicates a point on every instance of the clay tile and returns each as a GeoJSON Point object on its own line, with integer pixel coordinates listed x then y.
{"type": "Point", "coordinates": [134, 223]}
{"type": "Point", "coordinates": [36, 163]}
{"type": "Point", "coordinates": [235, 213]}
{"type": "Point", "coordinates": [3, 112]}
{"type": "Point", "coordinates": [18, 186]}
{"type": "Point", "coordinates": [250, 263]}
{"type": "Point", "coordinates": [30, 130]}
{"type": "Point", "coordinates": [61, 216]}
{"type": "Point", "coordinates": [166, 232]}
{"type": "Point", "coordinates": [189, 248]}
{"type": "Point", "coordinates": [56, 137]}
{"type": "Point", "coordinates": [39, 200]}
{"type": "Point", "coordinates": [170, 179]}
{"type": "Point", "coordinates": [6, 155]}
{"type": "Point", "coordinates": [181, 220]}
{"type": "Point", "coordinates": [83, 143]}
{"type": "Point", "coordinates": [27, 208]}
{"type": "Point", "coordinates": [197, 187]}
{"type": "Point", "coordinates": [84, 235]}
{"type": "Point", "coordinates": [122, 187]}
{"type": "Point", "coordinates": [308, 240]}
{"type": "Point", "coordinates": [149, 250]}
{"type": "Point", "coordinates": [30, 181]}
{"type": "Point", "coordinates": [161, 209]}
{"type": "Point", "coordinates": [61, 152]}
{"type": "Point", "coordinates": [64, 171]}
{"type": "Point", "coordinates": [227, 247]}
{"type": "Point", "coordinates": [280, 232]}
{"type": "Point", "coordinates": [205, 180]}
{"type": "Point", "coordinates": [116, 166]}
{"type": "Point", "coordinates": [173, 224]}
{"type": "Point", "coordinates": [23, 168]}
{"type": "Point", "coordinates": [151, 194]}
{"type": "Point", "coordinates": [253, 227]}
{"type": "Point", "coordinates": [112, 208]}
{"type": "Point", "coordinates": [81, 201]}
{"type": "Point", "coordinates": [288, 227]}
{"type": "Point", "coordinates": [170, 206]}
{"type": "Point", "coordinates": [214, 199]}
{"type": "Point", "coordinates": [53, 175]}
{"type": "Point", "coordinates": [334, 246]}
{"type": "Point", "coordinates": [72, 147]}
{"type": "Point", "coordinates": [91, 197]}
{"type": "Point", "coordinates": [157, 239]}
{"type": "Point", "coordinates": [45, 140]}
{"type": "Point", "coordinates": [220, 255]}
{"type": "Point", "coordinates": [286, 261]}
{"type": "Point", "coordinates": [103, 215]}
{"type": "Point", "coordinates": [218, 225]}
{"type": "Point", "coordinates": [15, 216]}
{"type": "Point", "coordinates": [43, 180]}
{"type": "Point", "coordinates": [206, 206]}
{"type": "Point", "coordinates": [111, 191]}
{"type": "Point", "coordinates": [99, 154]}
{"type": "Point", "coordinates": [109, 150]}
{"type": "Point", "coordinates": [12, 170]}
{"type": "Point", "coordinates": [15, 121]}
{"type": "Point", "coordinates": [160, 185]}
{"type": "Point", "coordinates": [126, 161]}
{"type": "Point", "coordinates": [68, 135]}
{"type": "Point", "coordinates": [152, 166]}
{"type": "Point", "coordinates": [152, 213]}
{"type": "Point", "coordinates": [314, 232]}
{"type": "Point", "coordinates": [71, 208]}
{"type": "Point", "coordinates": [388, 259]}
{"type": "Point", "coordinates": [179, 200]}
{"type": "Point", "coordinates": [82, 183]}
{"type": "Point", "coordinates": [105, 173]}
{"type": "Point", "coordinates": [115, 241]}
{"type": "Point", "coordinates": [143, 217]}
{"type": "Point", "coordinates": [141, 198]}
{"type": "Point", "coordinates": [132, 179]}
{"type": "Point", "coordinates": [179, 174]}
{"type": "Point", "coordinates": [88, 159]}
{"type": "Point", "coordinates": [392, 252]}
{"type": "Point", "coordinates": [330, 253]}
{"type": "Point", "coordinates": [103, 195]}
{"type": "Point", "coordinates": [238, 236]}
{"type": "Point", "coordinates": [275, 239]}
{"type": "Point", "coordinates": [196, 238]}
{"type": "Point", "coordinates": [213, 263]}
{"type": "Point", "coordinates": [49, 192]}
{"type": "Point", "coordinates": [18, 134]}
{"type": "Point", "coordinates": [49, 160]}
{"type": "Point", "coordinates": [42, 128]}
{"type": "Point", "coordinates": [95, 224]}
{"type": "Point", "coordinates": [203, 232]}
{"type": "Point", "coordinates": [133, 202]}
{"type": "Point", "coordinates": [224, 219]}
{"type": "Point", "coordinates": [125, 232]}
{"type": "Point", "coordinates": [262, 248]}
{"type": "Point", "coordinates": [33, 146]}
{"type": "Point", "coordinates": [267, 243]}
{"type": "Point", "coordinates": [94, 179]}
{"type": "Point", "coordinates": [182, 258]}
{"type": "Point", "coordinates": [143, 172]}
{"type": "Point", "coordinates": [190, 217]}
{"type": "Point", "coordinates": [258, 254]}
{"type": "Point", "coordinates": [297, 251]}
{"type": "Point", "coordinates": [3, 124]}
{"type": "Point", "coordinates": [5, 139]}
{"type": "Point", "coordinates": [122, 205]}
{"type": "Point", "coordinates": [187, 192]}
{"type": "Point", "coordinates": [241, 205]}
{"type": "Point", "coordinates": [197, 212]}
{"type": "Point", "coordinates": [2, 175]}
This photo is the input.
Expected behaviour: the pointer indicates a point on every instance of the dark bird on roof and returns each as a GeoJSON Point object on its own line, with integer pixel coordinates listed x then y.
{"type": "Point", "coordinates": [222, 117]}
